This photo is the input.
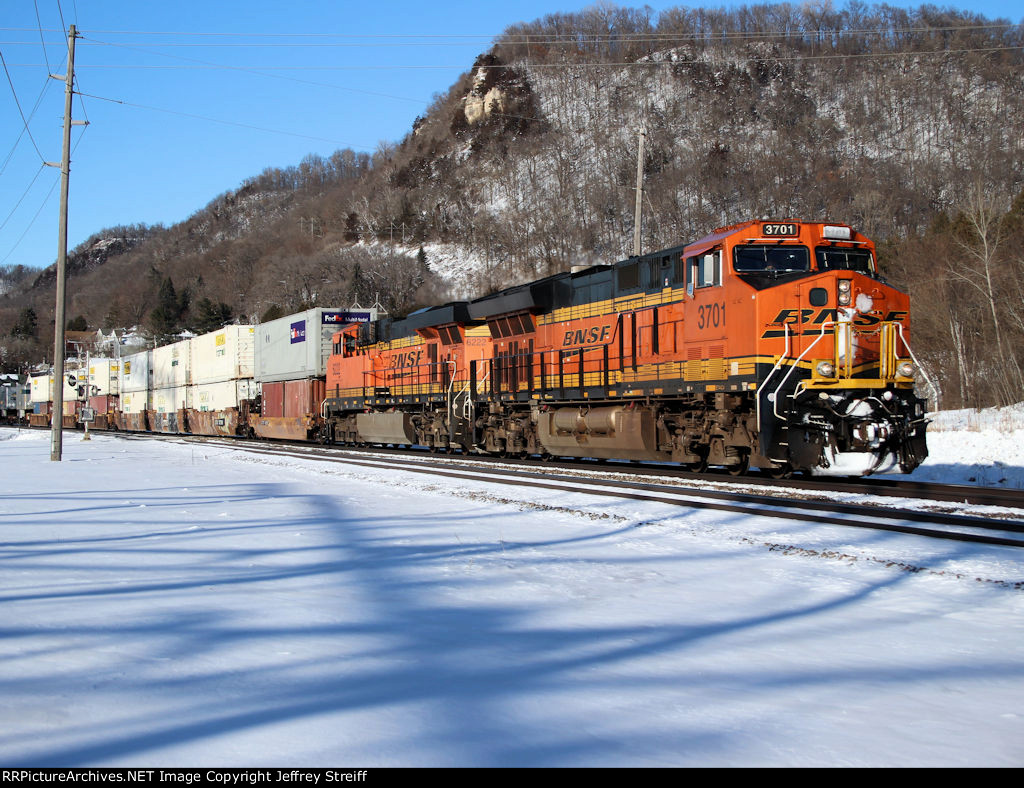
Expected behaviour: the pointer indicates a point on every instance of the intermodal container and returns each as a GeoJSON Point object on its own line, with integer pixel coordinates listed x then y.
{"type": "Point", "coordinates": [104, 376]}
{"type": "Point", "coordinates": [135, 402]}
{"type": "Point", "coordinates": [303, 397]}
{"type": "Point", "coordinates": [135, 372]}
{"type": "Point", "coordinates": [223, 395]}
{"type": "Point", "coordinates": [171, 399]}
{"type": "Point", "coordinates": [41, 387]}
{"type": "Point", "coordinates": [273, 399]}
{"type": "Point", "coordinates": [223, 355]}
{"type": "Point", "coordinates": [172, 365]}
{"type": "Point", "coordinates": [103, 403]}
{"type": "Point", "coordinates": [298, 346]}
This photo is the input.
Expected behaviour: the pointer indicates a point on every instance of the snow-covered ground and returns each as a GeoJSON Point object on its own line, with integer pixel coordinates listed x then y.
{"type": "Point", "coordinates": [171, 604]}
{"type": "Point", "coordinates": [983, 447]}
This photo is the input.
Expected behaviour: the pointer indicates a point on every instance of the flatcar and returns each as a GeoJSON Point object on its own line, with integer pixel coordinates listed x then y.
{"type": "Point", "coordinates": [773, 345]}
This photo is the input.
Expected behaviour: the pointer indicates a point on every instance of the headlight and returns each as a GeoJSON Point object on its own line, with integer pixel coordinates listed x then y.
{"type": "Point", "coordinates": [826, 369]}
{"type": "Point", "coordinates": [905, 369]}
{"type": "Point", "coordinates": [845, 288]}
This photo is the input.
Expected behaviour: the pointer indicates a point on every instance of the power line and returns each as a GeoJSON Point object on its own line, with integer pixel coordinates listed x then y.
{"type": "Point", "coordinates": [261, 72]}
{"type": "Point", "coordinates": [31, 115]}
{"type": "Point", "coordinates": [23, 196]}
{"type": "Point", "coordinates": [20, 112]}
{"type": "Point", "coordinates": [46, 199]}
{"type": "Point", "coordinates": [547, 37]}
{"type": "Point", "coordinates": [63, 26]}
{"type": "Point", "coordinates": [225, 122]}
{"type": "Point", "coordinates": [39, 23]}
{"type": "Point", "coordinates": [646, 61]}
{"type": "Point", "coordinates": [21, 238]}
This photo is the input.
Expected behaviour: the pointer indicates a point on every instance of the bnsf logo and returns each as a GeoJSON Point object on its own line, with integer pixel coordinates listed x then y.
{"type": "Point", "coordinates": [409, 359]}
{"type": "Point", "coordinates": [595, 335]}
{"type": "Point", "coordinates": [817, 317]}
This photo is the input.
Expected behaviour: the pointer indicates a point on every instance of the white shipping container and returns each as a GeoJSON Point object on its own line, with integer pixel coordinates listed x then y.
{"type": "Point", "coordinates": [172, 365]}
{"type": "Point", "coordinates": [135, 402]}
{"type": "Point", "coordinates": [222, 355]}
{"type": "Point", "coordinates": [298, 346]}
{"type": "Point", "coordinates": [169, 400]}
{"type": "Point", "coordinates": [135, 372]}
{"type": "Point", "coordinates": [41, 388]}
{"type": "Point", "coordinates": [104, 374]}
{"type": "Point", "coordinates": [223, 395]}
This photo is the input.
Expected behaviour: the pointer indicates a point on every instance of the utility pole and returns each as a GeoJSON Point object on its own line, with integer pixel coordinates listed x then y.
{"type": "Point", "coordinates": [639, 193]}
{"type": "Point", "coordinates": [57, 418]}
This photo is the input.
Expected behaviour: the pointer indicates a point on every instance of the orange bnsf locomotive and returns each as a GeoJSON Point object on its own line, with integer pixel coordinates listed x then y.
{"type": "Point", "coordinates": [773, 345]}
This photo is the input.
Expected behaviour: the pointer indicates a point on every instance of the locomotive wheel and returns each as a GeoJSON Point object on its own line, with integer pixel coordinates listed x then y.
{"type": "Point", "coordinates": [700, 466]}
{"type": "Point", "coordinates": [741, 467]}
{"type": "Point", "coordinates": [784, 471]}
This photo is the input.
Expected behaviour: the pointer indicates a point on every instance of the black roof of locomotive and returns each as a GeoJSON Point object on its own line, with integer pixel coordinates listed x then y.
{"type": "Point", "coordinates": [596, 283]}
{"type": "Point", "coordinates": [538, 296]}
{"type": "Point", "coordinates": [455, 312]}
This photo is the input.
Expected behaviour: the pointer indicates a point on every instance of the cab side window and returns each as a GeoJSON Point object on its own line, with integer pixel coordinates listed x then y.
{"type": "Point", "coordinates": [704, 270]}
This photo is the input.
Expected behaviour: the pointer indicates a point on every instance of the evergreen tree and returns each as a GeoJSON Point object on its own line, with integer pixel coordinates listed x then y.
{"type": "Point", "coordinates": [27, 324]}
{"type": "Point", "coordinates": [171, 306]}
{"type": "Point", "coordinates": [211, 316]}
{"type": "Point", "coordinates": [273, 313]}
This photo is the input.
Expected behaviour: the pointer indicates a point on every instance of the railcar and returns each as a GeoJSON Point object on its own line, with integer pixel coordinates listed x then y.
{"type": "Point", "coordinates": [15, 399]}
{"type": "Point", "coordinates": [774, 345]}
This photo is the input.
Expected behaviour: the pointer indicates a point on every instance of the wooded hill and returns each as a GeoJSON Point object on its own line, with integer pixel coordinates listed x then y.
{"type": "Point", "coordinates": [908, 125]}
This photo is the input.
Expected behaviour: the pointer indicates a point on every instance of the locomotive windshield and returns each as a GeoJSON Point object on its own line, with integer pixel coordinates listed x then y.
{"type": "Point", "coordinates": [835, 258]}
{"type": "Point", "coordinates": [755, 259]}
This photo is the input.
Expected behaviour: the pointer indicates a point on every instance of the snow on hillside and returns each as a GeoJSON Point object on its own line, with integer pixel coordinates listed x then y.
{"type": "Point", "coordinates": [178, 604]}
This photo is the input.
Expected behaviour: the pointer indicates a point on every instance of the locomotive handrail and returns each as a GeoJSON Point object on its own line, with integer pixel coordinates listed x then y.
{"type": "Point", "coordinates": [919, 365]}
{"type": "Point", "coordinates": [785, 353]}
{"type": "Point", "coordinates": [451, 402]}
{"type": "Point", "coordinates": [774, 396]}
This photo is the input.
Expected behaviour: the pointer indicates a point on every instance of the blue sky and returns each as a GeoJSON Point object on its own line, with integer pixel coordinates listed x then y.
{"type": "Point", "coordinates": [214, 92]}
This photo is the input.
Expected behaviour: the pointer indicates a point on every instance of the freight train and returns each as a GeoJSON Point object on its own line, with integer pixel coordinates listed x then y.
{"type": "Point", "coordinates": [770, 345]}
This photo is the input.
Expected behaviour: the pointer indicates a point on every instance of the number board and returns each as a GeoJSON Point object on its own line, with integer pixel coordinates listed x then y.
{"type": "Point", "coordinates": [780, 229]}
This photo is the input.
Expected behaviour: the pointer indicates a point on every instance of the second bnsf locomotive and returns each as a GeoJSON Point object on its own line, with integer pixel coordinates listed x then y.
{"type": "Point", "coordinates": [773, 345]}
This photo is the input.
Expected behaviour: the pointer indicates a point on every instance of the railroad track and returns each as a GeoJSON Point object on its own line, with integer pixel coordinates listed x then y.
{"type": "Point", "coordinates": [900, 519]}
{"type": "Point", "coordinates": [870, 485]}
{"type": "Point", "coordinates": [882, 487]}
